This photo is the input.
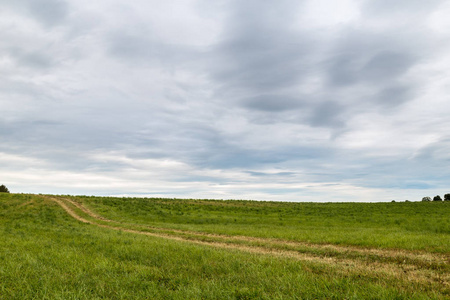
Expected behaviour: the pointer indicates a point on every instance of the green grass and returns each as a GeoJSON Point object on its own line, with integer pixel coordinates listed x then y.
{"type": "Point", "coordinates": [46, 254]}
{"type": "Point", "coordinates": [407, 225]}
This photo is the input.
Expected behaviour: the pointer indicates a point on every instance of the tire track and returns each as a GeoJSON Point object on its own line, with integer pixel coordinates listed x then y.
{"type": "Point", "coordinates": [410, 272]}
{"type": "Point", "coordinates": [424, 259]}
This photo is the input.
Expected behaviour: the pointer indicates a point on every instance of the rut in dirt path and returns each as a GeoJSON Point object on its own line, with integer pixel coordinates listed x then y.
{"type": "Point", "coordinates": [423, 258]}
{"type": "Point", "coordinates": [407, 271]}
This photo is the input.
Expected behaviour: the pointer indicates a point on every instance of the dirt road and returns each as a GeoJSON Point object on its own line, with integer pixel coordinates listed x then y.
{"type": "Point", "coordinates": [419, 267]}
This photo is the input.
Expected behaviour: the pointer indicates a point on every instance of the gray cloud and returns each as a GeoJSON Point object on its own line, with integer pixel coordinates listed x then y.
{"type": "Point", "coordinates": [141, 49]}
{"type": "Point", "coordinates": [369, 59]}
{"type": "Point", "coordinates": [263, 61]}
{"type": "Point", "coordinates": [437, 151]}
{"type": "Point", "coordinates": [395, 95]}
{"type": "Point", "coordinates": [265, 64]}
{"type": "Point", "coordinates": [38, 60]}
{"type": "Point", "coordinates": [264, 174]}
{"type": "Point", "coordinates": [272, 103]}
{"type": "Point", "coordinates": [49, 13]}
{"type": "Point", "coordinates": [328, 114]}
{"type": "Point", "coordinates": [386, 66]}
{"type": "Point", "coordinates": [389, 8]}
{"type": "Point", "coordinates": [259, 52]}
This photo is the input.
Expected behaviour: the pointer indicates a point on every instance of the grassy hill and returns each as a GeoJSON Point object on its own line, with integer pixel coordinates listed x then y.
{"type": "Point", "coordinates": [66, 247]}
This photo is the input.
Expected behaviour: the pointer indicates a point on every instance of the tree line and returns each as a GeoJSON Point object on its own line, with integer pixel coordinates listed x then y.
{"type": "Point", "coordinates": [437, 198]}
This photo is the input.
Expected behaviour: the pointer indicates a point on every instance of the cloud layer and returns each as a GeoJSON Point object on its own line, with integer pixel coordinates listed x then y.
{"type": "Point", "coordinates": [283, 100]}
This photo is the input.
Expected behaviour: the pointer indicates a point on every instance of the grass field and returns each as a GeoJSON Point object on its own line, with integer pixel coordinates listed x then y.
{"type": "Point", "coordinates": [66, 247]}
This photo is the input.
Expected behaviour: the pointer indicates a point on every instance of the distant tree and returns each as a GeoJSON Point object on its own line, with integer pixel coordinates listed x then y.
{"type": "Point", "coordinates": [426, 199]}
{"type": "Point", "coordinates": [3, 189]}
{"type": "Point", "coordinates": [437, 198]}
{"type": "Point", "coordinates": [447, 197]}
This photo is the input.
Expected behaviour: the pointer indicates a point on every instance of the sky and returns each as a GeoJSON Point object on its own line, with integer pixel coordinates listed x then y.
{"type": "Point", "coordinates": [305, 100]}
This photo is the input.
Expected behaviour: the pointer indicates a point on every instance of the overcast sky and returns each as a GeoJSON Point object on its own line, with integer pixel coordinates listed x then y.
{"type": "Point", "coordinates": [310, 100]}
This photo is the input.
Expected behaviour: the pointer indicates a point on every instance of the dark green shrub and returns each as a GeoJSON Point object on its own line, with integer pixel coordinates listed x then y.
{"type": "Point", "coordinates": [447, 197]}
{"type": "Point", "coordinates": [437, 198]}
{"type": "Point", "coordinates": [3, 189]}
